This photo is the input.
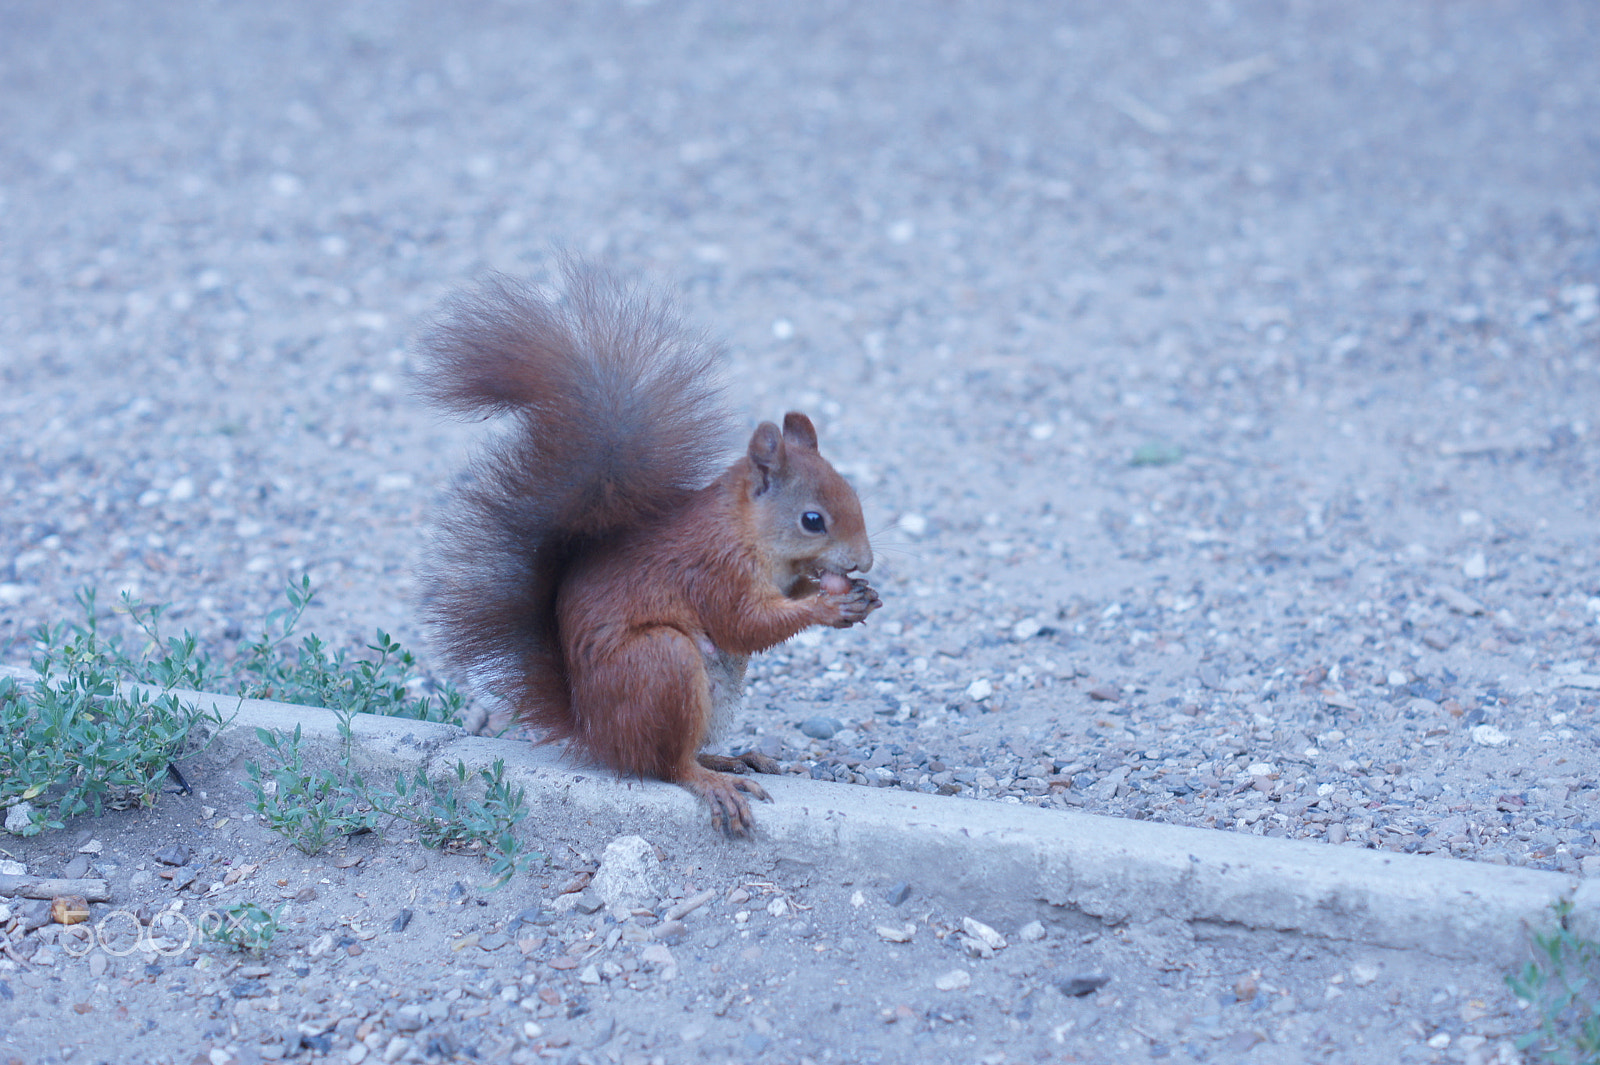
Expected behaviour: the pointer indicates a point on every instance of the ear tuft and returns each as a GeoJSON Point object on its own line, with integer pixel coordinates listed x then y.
{"type": "Point", "coordinates": [798, 430]}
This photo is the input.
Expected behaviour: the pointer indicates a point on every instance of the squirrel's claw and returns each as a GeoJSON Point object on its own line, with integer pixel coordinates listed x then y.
{"type": "Point", "coordinates": [724, 793]}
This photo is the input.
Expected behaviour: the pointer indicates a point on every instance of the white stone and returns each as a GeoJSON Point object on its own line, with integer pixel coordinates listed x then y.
{"type": "Point", "coordinates": [980, 931]}
{"type": "Point", "coordinates": [1026, 629]}
{"type": "Point", "coordinates": [19, 818]}
{"type": "Point", "coordinates": [1489, 736]}
{"type": "Point", "coordinates": [630, 875]}
{"type": "Point", "coordinates": [979, 690]}
{"type": "Point", "coordinates": [954, 980]}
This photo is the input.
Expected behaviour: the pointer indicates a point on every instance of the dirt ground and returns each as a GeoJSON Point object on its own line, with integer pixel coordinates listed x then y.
{"type": "Point", "coordinates": [387, 951]}
{"type": "Point", "coordinates": [1220, 380]}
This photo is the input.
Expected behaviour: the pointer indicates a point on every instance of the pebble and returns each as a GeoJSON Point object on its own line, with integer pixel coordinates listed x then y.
{"type": "Point", "coordinates": [954, 980]}
{"type": "Point", "coordinates": [983, 933]}
{"type": "Point", "coordinates": [1026, 629]}
{"type": "Point", "coordinates": [174, 854]}
{"type": "Point", "coordinates": [1076, 985]}
{"type": "Point", "coordinates": [1489, 736]}
{"type": "Point", "coordinates": [19, 819]}
{"type": "Point", "coordinates": [820, 728]}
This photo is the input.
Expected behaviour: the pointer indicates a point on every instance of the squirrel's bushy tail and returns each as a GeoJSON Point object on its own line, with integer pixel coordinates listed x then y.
{"type": "Point", "coordinates": [615, 414]}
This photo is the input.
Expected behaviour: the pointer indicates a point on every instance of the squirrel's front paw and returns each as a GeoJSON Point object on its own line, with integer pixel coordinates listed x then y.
{"type": "Point", "coordinates": [850, 599]}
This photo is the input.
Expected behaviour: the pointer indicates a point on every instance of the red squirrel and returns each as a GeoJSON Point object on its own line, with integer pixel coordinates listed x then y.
{"type": "Point", "coordinates": [593, 569]}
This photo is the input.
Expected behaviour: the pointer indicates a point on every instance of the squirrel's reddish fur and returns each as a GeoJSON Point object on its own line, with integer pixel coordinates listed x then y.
{"type": "Point", "coordinates": [593, 570]}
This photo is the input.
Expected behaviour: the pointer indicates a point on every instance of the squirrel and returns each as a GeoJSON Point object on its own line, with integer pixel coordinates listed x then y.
{"type": "Point", "coordinates": [592, 569]}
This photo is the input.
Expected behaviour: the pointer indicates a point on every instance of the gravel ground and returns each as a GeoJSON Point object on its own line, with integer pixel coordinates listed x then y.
{"type": "Point", "coordinates": [1223, 378]}
{"type": "Point", "coordinates": [652, 951]}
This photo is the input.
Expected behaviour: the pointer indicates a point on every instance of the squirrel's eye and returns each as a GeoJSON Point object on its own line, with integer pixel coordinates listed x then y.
{"type": "Point", "coordinates": [813, 522]}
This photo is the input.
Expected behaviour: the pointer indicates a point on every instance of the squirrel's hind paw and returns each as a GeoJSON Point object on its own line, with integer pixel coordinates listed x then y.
{"type": "Point", "coordinates": [724, 793]}
{"type": "Point", "coordinates": [753, 761]}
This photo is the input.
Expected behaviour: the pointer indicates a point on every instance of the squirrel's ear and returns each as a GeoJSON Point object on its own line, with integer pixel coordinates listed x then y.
{"type": "Point", "coordinates": [766, 454]}
{"type": "Point", "coordinates": [798, 430]}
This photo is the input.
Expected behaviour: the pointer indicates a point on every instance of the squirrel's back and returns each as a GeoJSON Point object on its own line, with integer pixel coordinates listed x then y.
{"type": "Point", "coordinates": [614, 415]}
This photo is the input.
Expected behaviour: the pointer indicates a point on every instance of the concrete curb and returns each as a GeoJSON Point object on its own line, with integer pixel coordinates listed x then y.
{"type": "Point", "coordinates": [1009, 861]}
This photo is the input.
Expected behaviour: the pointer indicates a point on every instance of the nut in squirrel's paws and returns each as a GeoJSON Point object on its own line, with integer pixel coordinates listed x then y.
{"type": "Point", "coordinates": [853, 597]}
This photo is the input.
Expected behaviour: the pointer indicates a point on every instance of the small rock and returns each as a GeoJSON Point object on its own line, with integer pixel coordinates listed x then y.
{"type": "Point", "coordinates": [979, 690]}
{"type": "Point", "coordinates": [820, 728]}
{"type": "Point", "coordinates": [1106, 693]}
{"type": "Point", "coordinates": [1363, 975]}
{"type": "Point", "coordinates": [19, 819]}
{"type": "Point", "coordinates": [669, 929]}
{"type": "Point", "coordinates": [1032, 932]}
{"type": "Point", "coordinates": [660, 955]}
{"type": "Point", "coordinates": [494, 941]}
{"type": "Point", "coordinates": [913, 525]}
{"type": "Point", "coordinates": [897, 894]}
{"type": "Point", "coordinates": [954, 980]}
{"type": "Point", "coordinates": [173, 854]}
{"type": "Point", "coordinates": [896, 935]}
{"type": "Point", "coordinates": [983, 933]}
{"type": "Point", "coordinates": [1475, 567]}
{"type": "Point", "coordinates": [1026, 629]}
{"type": "Point", "coordinates": [1080, 984]}
{"type": "Point", "coordinates": [590, 974]}
{"type": "Point", "coordinates": [778, 907]}
{"type": "Point", "coordinates": [976, 948]}
{"type": "Point", "coordinates": [33, 913]}
{"type": "Point", "coordinates": [1489, 736]}
{"type": "Point", "coordinates": [630, 875]}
